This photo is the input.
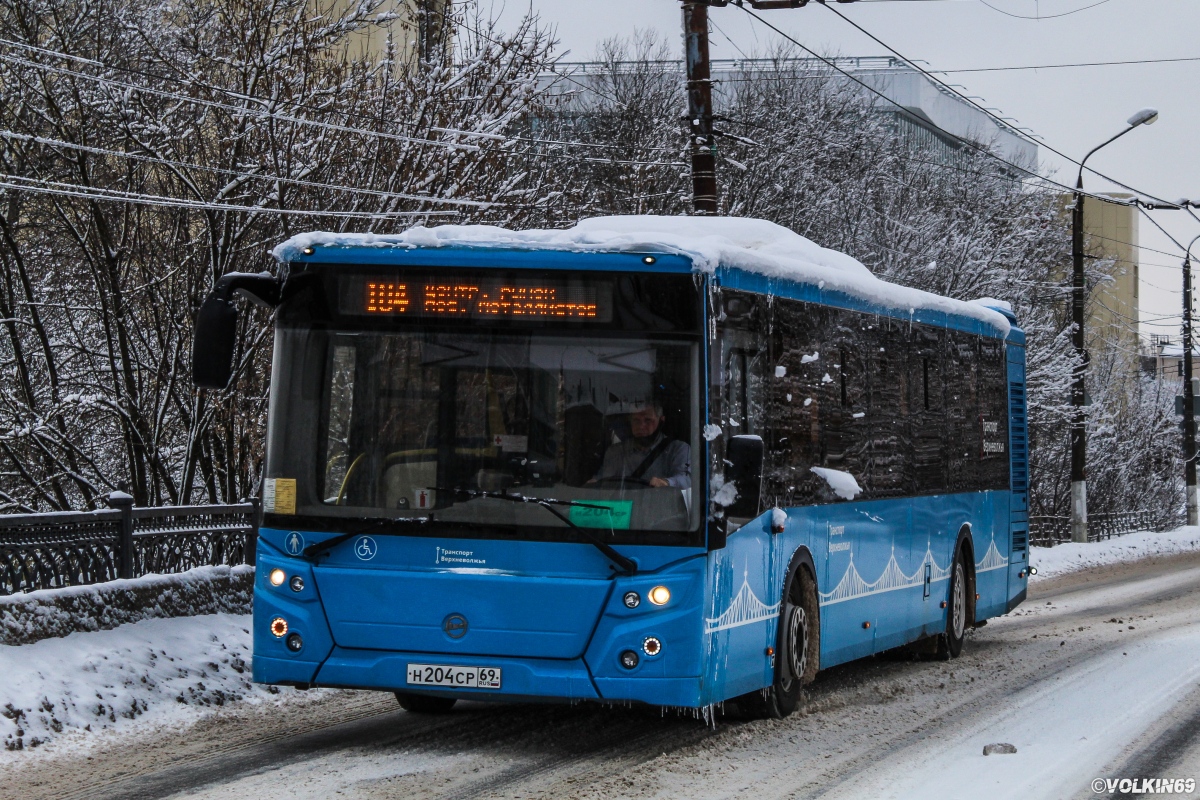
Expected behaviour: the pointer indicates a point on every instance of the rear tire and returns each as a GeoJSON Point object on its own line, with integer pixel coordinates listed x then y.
{"type": "Point", "coordinates": [425, 704]}
{"type": "Point", "coordinates": [950, 643]}
{"type": "Point", "coordinates": [797, 652]}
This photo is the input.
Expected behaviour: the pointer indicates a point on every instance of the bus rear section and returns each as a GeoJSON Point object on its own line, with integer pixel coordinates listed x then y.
{"type": "Point", "coordinates": [480, 482]}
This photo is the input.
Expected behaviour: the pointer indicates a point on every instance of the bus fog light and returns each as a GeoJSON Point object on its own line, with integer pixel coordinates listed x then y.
{"type": "Point", "coordinates": [632, 600]}
{"type": "Point", "coordinates": [277, 577]}
{"type": "Point", "coordinates": [652, 646]}
{"type": "Point", "coordinates": [659, 595]}
{"type": "Point", "coordinates": [297, 583]}
{"type": "Point", "coordinates": [279, 627]}
{"type": "Point", "coordinates": [629, 659]}
{"type": "Point", "coordinates": [295, 643]}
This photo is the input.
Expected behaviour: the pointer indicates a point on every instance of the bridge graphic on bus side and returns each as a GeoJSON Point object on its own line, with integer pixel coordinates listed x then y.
{"type": "Point", "coordinates": [852, 585]}
{"type": "Point", "coordinates": [746, 609]}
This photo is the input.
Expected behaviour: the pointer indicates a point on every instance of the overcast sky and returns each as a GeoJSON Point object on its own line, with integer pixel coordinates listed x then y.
{"type": "Point", "coordinates": [1074, 109]}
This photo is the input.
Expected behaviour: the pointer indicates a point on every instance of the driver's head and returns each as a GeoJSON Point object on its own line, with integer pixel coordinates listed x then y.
{"type": "Point", "coordinates": [645, 420]}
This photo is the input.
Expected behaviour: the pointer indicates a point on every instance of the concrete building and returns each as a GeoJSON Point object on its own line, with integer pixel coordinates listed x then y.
{"type": "Point", "coordinates": [1111, 239]}
{"type": "Point", "coordinates": [419, 29]}
{"type": "Point", "coordinates": [925, 110]}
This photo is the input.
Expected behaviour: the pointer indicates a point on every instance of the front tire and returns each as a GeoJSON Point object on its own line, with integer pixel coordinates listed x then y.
{"type": "Point", "coordinates": [797, 652]}
{"type": "Point", "coordinates": [425, 704]}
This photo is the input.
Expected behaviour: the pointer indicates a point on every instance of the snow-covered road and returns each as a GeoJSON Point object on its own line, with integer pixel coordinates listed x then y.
{"type": "Point", "coordinates": [1096, 676]}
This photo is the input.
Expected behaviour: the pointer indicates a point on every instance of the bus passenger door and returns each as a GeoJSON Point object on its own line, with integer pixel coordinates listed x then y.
{"type": "Point", "coordinates": [744, 611]}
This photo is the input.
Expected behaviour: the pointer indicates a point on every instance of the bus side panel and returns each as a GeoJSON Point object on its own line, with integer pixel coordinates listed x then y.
{"type": "Point", "coordinates": [990, 538]}
{"type": "Point", "coordinates": [1018, 448]}
{"type": "Point", "coordinates": [740, 612]}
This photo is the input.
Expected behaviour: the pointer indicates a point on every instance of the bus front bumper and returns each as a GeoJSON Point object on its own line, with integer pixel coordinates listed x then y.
{"type": "Point", "coordinates": [523, 679]}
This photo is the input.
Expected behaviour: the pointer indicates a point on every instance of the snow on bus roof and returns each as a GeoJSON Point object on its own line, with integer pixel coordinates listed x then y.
{"type": "Point", "coordinates": [753, 245]}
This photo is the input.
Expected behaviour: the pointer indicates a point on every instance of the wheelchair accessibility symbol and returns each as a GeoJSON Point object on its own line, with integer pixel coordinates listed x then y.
{"type": "Point", "coordinates": [294, 543]}
{"type": "Point", "coordinates": [365, 548]}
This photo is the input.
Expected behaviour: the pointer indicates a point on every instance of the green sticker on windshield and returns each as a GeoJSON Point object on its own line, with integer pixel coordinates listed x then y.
{"type": "Point", "coordinates": [614, 515]}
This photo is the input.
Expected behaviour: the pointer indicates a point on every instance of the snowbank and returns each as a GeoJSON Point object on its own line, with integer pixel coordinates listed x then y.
{"type": "Point", "coordinates": [753, 245]}
{"type": "Point", "coordinates": [158, 671]}
{"type": "Point", "coordinates": [1054, 561]}
{"type": "Point", "coordinates": [32, 616]}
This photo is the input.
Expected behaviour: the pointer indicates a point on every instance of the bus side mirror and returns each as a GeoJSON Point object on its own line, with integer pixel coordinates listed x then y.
{"type": "Point", "coordinates": [743, 468]}
{"type": "Point", "coordinates": [214, 338]}
{"type": "Point", "coordinates": [213, 343]}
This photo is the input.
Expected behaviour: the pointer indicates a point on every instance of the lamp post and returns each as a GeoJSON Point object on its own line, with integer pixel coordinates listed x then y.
{"type": "Point", "coordinates": [1189, 394]}
{"type": "Point", "coordinates": [1146, 116]}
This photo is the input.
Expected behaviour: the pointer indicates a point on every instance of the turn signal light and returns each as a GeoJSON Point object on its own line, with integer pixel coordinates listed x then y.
{"type": "Point", "coordinates": [660, 595]}
{"type": "Point", "coordinates": [279, 627]}
{"type": "Point", "coordinates": [277, 577]}
{"type": "Point", "coordinates": [652, 646]}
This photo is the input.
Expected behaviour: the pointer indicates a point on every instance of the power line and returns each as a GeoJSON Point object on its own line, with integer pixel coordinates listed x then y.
{"type": "Point", "coordinates": [1039, 16]}
{"type": "Point", "coordinates": [257, 176]}
{"type": "Point", "coordinates": [38, 186]}
{"type": "Point", "coordinates": [884, 97]}
{"type": "Point", "coordinates": [986, 111]}
{"type": "Point", "coordinates": [303, 106]}
{"type": "Point", "coordinates": [1070, 66]}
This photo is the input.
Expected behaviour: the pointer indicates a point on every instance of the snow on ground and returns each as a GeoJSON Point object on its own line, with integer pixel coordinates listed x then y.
{"type": "Point", "coordinates": [153, 672]}
{"type": "Point", "coordinates": [1054, 561]}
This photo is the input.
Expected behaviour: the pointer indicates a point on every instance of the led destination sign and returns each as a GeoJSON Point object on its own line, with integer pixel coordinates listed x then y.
{"type": "Point", "coordinates": [484, 298]}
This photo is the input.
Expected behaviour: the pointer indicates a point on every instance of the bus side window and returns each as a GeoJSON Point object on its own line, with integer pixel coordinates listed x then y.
{"type": "Point", "coordinates": [926, 387]}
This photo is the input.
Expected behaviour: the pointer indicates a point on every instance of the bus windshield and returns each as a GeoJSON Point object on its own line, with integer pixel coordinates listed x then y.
{"type": "Point", "coordinates": [408, 423]}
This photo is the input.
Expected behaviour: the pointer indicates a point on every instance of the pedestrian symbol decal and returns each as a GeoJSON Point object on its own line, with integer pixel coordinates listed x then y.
{"type": "Point", "coordinates": [365, 548]}
{"type": "Point", "coordinates": [294, 543]}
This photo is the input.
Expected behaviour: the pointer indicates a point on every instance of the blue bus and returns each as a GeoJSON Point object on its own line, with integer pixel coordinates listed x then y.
{"type": "Point", "coordinates": [526, 470]}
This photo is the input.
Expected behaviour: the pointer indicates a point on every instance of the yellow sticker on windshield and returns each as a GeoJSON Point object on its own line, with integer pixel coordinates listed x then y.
{"type": "Point", "coordinates": [279, 495]}
{"type": "Point", "coordinates": [615, 514]}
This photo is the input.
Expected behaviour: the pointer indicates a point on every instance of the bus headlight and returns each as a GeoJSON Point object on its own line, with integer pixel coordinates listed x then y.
{"type": "Point", "coordinates": [297, 583]}
{"type": "Point", "coordinates": [660, 595]}
{"type": "Point", "coordinates": [277, 577]}
{"type": "Point", "coordinates": [295, 643]}
{"type": "Point", "coordinates": [632, 600]}
{"type": "Point", "coordinates": [629, 659]}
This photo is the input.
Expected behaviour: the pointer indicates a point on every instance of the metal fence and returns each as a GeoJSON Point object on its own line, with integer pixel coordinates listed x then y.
{"type": "Point", "coordinates": [1047, 531]}
{"type": "Point", "coordinates": [45, 551]}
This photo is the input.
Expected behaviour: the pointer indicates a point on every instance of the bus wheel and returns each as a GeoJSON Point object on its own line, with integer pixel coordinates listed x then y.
{"type": "Point", "coordinates": [950, 643]}
{"type": "Point", "coordinates": [797, 653]}
{"type": "Point", "coordinates": [424, 704]}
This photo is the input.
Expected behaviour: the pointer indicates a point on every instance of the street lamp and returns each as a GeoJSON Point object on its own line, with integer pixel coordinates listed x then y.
{"type": "Point", "coordinates": [1147, 116]}
{"type": "Point", "coordinates": [1189, 393]}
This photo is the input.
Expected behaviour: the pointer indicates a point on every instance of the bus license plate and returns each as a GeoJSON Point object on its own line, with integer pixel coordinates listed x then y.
{"type": "Point", "coordinates": [459, 677]}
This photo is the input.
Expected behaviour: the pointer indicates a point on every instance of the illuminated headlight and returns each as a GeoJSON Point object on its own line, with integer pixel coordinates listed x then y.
{"type": "Point", "coordinates": [297, 583]}
{"type": "Point", "coordinates": [652, 646]}
{"type": "Point", "coordinates": [295, 643]}
{"type": "Point", "coordinates": [629, 659]}
{"type": "Point", "coordinates": [277, 577]}
{"type": "Point", "coordinates": [660, 595]}
{"type": "Point", "coordinates": [279, 627]}
{"type": "Point", "coordinates": [632, 600]}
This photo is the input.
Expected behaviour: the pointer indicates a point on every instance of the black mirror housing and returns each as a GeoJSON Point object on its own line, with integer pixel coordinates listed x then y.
{"type": "Point", "coordinates": [213, 343]}
{"type": "Point", "coordinates": [215, 335]}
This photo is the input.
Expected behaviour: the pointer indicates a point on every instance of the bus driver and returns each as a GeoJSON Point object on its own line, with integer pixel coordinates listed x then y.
{"type": "Point", "coordinates": [648, 455]}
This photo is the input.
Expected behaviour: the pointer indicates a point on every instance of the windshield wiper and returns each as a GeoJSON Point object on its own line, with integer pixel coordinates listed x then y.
{"type": "Point", "coordinates": [548, 503]}
{"type": "Point", "coordinates": [320, 547]}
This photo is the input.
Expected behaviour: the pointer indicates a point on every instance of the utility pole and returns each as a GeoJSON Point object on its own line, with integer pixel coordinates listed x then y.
{"type": "Point", "coordinates": [1078, 386]}
{"type": "Point", "coordinates": [700, 107]}
{"type": "Point", "coordinates": [1189, 395]}
{"type": "Point", "coordinates": [705, 197]}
